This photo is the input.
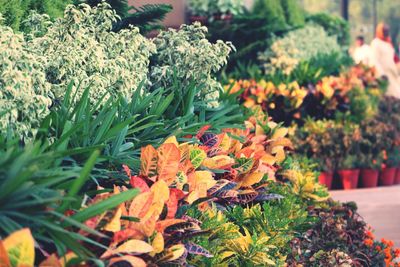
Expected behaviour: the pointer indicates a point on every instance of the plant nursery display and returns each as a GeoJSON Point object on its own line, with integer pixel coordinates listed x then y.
{"type": "Point", "coordinates": [121, 150]}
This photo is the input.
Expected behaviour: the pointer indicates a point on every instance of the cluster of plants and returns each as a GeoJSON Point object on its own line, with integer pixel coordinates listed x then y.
{"type": "Point", "coordinates": [355, 95]}
{"type": "Point", "coordinates": [118, 150]}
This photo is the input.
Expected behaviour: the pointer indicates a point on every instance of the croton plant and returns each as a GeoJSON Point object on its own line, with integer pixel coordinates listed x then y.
{"type": "Point", "coordinates": [152, 229]}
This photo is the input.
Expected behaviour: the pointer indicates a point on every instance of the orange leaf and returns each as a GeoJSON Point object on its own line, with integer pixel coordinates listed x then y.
{"type": "Point", "coordinates": [168, 162]}
{"type": "Point", "coordinates": [4, 260]}
{"type": "Point", "coordinates": [132, 260]}
{"type": "Point", "coordinates": [252, 178]}
{"type": "Point", "coordinates": [52, 261]}
{"type": "Point", "coordinates": [148, 162]}
{"type": "Point", "coordinates": [162, 225]}
{"type": "Point", "coordinates": [141, 204]}
{"type": "Point", "coordinates": [172, 205]}
{"type": "Point", "coordinates": [133, 246]}
{"type": "Point", "coordinates": [126, 234]}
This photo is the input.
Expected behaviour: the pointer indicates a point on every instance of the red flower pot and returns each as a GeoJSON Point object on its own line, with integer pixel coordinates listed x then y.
{"type": "Point", "coordinates": [397, 177]}
{"type": "Point", "coordinates": [349, 178]}
{"type": "Point", "coordinates": [326, 179]}
{"type": "Point", "coordinates": [387, 176]}
{"type": "Point", "coordinates": [369, 178]}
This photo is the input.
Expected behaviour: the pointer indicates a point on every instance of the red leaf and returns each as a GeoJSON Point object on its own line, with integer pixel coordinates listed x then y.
{"type": "Point", "coordinates": [178, 193]}
{"type": "Point", "coordinates": [202, 131]}
{"type": "Point", "coordinates": [138, 182]}
{"type": "Point", "coordinates": [172, 205]}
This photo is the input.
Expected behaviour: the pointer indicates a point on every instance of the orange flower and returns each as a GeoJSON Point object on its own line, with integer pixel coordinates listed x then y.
{"type": "Point", "coordinates": [397, 252]}
{"type": "Point", "coordinates": [378, 248]}
{"type": "Point", "coordinates": [369, 234]}
{"type": "Point", "coordinates": [368, 242]}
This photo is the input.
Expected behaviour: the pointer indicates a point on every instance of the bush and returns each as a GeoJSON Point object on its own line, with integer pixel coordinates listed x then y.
{"type": "Point", "coordinates": [272, 10]}
{"type": "Point", "coordinates": [187, 56]}
{"type": "Point", "coordinates": [82, 48]}
{"type": "Point", "coordinates": [24, 90]}
{"type": "Point", "coordinates": [297, 46]}
{"type": "Point", "coordinates": [334, 26]}
{"type": "Point", "coordinates": [293, 13]}
{"type": "Point", "coordinates": [16, 11]}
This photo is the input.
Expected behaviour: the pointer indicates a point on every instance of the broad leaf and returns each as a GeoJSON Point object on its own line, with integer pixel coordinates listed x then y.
{"type": "Point", "coordinates": [20, 248]}
{"type": "Point", "coordinates": [148, 162]}
{"type": "Point", "coordinates": [168, 162]}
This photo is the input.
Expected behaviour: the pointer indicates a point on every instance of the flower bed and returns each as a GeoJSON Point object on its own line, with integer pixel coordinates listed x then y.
{"type": "Point", "coordinates": [158, 172]}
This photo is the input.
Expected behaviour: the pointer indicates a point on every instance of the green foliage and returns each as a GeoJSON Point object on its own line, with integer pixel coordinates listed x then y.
{"type": "Point", "coordinates": [146, 17]}
{"type": "Point", "coordinates": [333, 25]}
{"type": "Point", "coordinates": [215, 7]}
{"type": "Point", "coordinates": [16, 11]}
{"type": "Point", "coordinates": [272, 10]}
{"type": "Point", "coordinates": [32, 182]}
{"type": "Point", "coordinates": [24, 90]}
{"type": "Point", "coordinates": [297, 46]}
{"type": "Point", "coordinates": [293, 13]}
{"type": "Point", "coordinates": [186, 55]}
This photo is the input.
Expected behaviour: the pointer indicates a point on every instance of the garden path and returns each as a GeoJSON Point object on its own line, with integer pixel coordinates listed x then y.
{"type": "Point", "coordinates": [380, 207]}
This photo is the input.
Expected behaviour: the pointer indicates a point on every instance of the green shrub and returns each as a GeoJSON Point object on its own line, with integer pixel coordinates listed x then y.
{"type": "Point", "coordinates": [333, 25]}
{"type": "Point", "coordinates": [272, 10]}
{"type": "Point", "coordinates": [293, 13]}
{"type": "Point", "coordinates": [16, 11]}
{"type": "Point", "coordinates": [187, 56]}
{"type": "Point", "coordinates": [297, 46]}
{"type": "Point", "coordinates": [24, 90]}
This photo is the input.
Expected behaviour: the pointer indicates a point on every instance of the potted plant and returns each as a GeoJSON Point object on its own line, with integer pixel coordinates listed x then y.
{"type": "Point", "coordinates": [395, 155]}
{"type": "Point", "coordinates": [348, 172]}
{"type": "Point", "coordinates": [326, 172]}
{"type": "Point", "coordinates": [389, 169]}
{"type": "Point", "coordinates": [369, 170]}
{"type": "Point", "coordinates": [226, 9]}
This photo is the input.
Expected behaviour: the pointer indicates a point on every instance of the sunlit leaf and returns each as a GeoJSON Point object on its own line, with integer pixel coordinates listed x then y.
{"type": "Point", "coordinates": [148, 162]}
{"type": "Point", "coordinates": [243, 165]}
{"type": "Point", "coordinates": [124, 260]}
{"type": "Point", "coordinates": [4, 260]}
{"type": "Point", "coordinates": [252, 179]}
{"type": "Point", "coordinates": [20, 248]}
{"type": "Point", "coordinates": [132, 246]}
{"type": "Point", "coordinates": [158, 243]}
{"type": "Point", "coordinates": [168, 162]}
{"type": "Point", "coordinates": [197, 157]}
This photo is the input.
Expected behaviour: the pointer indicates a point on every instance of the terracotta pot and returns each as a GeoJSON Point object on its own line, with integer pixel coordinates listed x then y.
{"type": "Point", "coordinates": [369, 178]}
{"type": "Point", "coordinates": [326, 179]}
{"type": "Point", "coordinates": [202, 19]}
{"type": "Point", "coordinates": [397, 177]}
{"type": "Point", "coordinates": [349, 178]}
{"type": "Point", "coordinates": [387, 176]}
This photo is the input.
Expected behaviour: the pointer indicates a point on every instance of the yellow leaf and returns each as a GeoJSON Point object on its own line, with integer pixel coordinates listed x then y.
{"type": "Point", "coordinates": [268, 159]}
{"type": "Point", "coordinates": [225, 143]}
{"type": "Point", "coordinates": [115, 224]}
{"type": "Point", "coordinates": [160, 190]}
{"type": "Point", "coordinates": [158, 243]}
{"type": "Point", "coordinates": [252, 178]}
{"type": "Point", "coordinates": [259, 130]}
{"type": "Point", "coordinates": [20, 248]}
{"type": "Point", "coordinates": [133, 246]}
{"type": "Point", "coordinates": [206, 178]}
{"type": "Point", "coordinates": [218, 162]}
{"type": "Point", "coordinates": [177, 251]}
{"type": "Point", "coordinates": [171, 140]}
{"type": "Point", "coordinates": [280, 133]}
{"type": "Point", "coordinates": [134, 261]}
{"type": "Point", "coordinates": [227, 254]}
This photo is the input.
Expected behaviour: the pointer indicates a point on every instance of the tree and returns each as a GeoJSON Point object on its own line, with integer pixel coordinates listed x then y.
{"type": "Point", "coordinates": [293, 12]}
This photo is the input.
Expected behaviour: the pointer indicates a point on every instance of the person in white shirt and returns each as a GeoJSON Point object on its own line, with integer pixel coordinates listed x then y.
{"type": "Point", "coordinates": [361, 53]}
{"type": "Point", "coordinates": [383, 58]}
